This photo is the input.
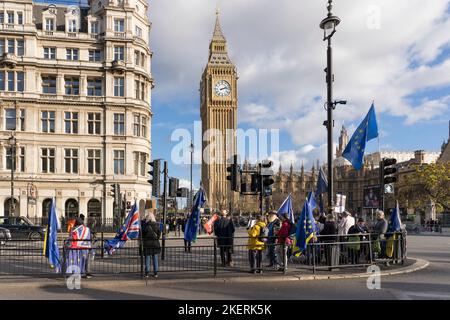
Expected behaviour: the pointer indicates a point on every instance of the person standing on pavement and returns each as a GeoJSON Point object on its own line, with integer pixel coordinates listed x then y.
{"type": "Point", "coordinates": [380, 229]}
{"type": "Point", "coordinates": [224, 231]}
{"type": "Point", "coordinates": [151, 246]}
{"type": "Point", "coordinates": [355, 249]}
{"type": "Point", "coordinates": [328, 237]}
{"type": "Point", "coordinates": [346, 223]}
{"type": "Point", "coordinates": [274, 225]}
{"type": "Point", "coordinates": [256, 244]}
{"type": "Point", "coordinates": [285, 235]}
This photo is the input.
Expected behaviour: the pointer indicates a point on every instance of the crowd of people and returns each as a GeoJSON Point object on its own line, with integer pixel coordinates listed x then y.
{"type": "Point", "coordinates": [272, 233]}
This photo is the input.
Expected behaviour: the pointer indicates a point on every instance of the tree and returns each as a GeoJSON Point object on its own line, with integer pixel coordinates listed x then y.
{"type": "Point", "coordinates": [425, 183]}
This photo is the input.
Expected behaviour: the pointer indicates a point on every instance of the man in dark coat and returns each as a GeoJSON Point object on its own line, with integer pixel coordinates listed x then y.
{"type": "Point", "coordinates": [150, 242]}
{"type": "Point", "coordinates": [224, 231]}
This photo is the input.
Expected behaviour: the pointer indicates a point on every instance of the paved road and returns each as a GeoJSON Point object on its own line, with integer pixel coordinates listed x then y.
{"type": "Point", "coordinates": [430, 283]}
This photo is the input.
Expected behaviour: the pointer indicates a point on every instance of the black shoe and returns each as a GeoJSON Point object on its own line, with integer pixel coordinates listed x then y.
{"type": "Point", "coordinates": [260, 271]}
{"type": "Point", "coordinates": [253, 271]}
{"type": "Point", "coordinates": [155, 276]}
{"type": "Point", "coordinates": [89, 276]}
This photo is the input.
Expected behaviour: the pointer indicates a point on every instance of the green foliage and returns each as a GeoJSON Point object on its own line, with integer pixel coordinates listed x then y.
{"type": "Point", "coordinates": [425, 183]}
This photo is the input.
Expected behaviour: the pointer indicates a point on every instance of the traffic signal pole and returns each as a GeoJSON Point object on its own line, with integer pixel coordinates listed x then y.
{"type": "Point", "coordinates": [261, 191]}
{"type": "Point", "coordinates": [165, 171]}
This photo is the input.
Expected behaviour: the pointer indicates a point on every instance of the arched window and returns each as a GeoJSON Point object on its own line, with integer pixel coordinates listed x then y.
{"type": "Point", "coordinates": [71, 208]}
{"type": "Point", "coordinates": [46, 205]}
{"type": "Point", "coordinates": [7, 208]}
{"type": "Point", "coordinates": [94, 208]}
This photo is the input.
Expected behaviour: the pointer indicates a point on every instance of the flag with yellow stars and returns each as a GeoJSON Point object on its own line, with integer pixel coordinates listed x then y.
{"type": "Point", "coordinates": [366, 131]}
{"type": "Point", "coordinates": [306, 225]}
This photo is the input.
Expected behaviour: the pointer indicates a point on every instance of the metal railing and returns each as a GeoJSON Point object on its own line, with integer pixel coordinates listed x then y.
{"type": "Point", "coordinates": [25, 257]}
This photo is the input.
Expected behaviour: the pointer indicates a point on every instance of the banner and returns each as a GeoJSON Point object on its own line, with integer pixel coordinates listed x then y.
{"type": "Point", "coordinates": [209, 225]}
{"type": "Point", "coordinates": [340, 203]}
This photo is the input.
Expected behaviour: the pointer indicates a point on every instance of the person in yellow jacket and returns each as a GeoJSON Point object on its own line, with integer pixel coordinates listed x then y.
{"type": "Point", "coordinates": [256, 244]}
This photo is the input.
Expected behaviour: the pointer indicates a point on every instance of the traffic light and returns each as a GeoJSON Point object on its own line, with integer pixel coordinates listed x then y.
{"type": "Point", "coordinates": [386, 172]}
{"type": "Point", "coordinates": [267, 177]}
{"type": "Point", "coordinates": [115, 190]}
{"type": "Point", "coordinates": [155, 166]}
{"type": "Point", "coordinates": [173, 187]}
{"type": "Point", "coordinates": [233, 169]}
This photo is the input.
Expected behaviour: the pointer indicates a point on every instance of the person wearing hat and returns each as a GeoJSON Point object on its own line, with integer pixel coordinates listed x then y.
{"type": "Point", "coordinates": [355, 249]}
{"type": "Point", "coordinates": [274, 225]}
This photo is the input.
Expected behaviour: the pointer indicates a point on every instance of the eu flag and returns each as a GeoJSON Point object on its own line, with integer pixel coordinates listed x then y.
{"type": "Point", "coordinates": [366, 131]}
{"type": "Point", "coordinates": [395, 223]}
{"type": "Point", "coordinates": [287, 207]}
{"type": "Point", "coordinates": [51, 249]}
{"type": "Point", "coordinates": [192, 224]}
{"type": "Point", "coordinates": [306, 225]}
{"type": "Point", "coordinates": [322, 183]}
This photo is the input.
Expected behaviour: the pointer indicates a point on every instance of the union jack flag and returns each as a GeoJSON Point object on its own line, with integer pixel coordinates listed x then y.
{"type": "Point", "coordinates": [81, 238]}
{"type": "Point", "coordinates": [129, 230]}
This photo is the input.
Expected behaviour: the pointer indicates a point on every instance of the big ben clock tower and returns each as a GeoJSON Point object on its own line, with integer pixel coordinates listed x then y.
{"type": "Point", "coordinates": [218, 96]}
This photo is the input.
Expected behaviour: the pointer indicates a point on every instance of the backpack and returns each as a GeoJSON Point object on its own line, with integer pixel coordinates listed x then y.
{"type": "Point", "coordinates": [263, 234]}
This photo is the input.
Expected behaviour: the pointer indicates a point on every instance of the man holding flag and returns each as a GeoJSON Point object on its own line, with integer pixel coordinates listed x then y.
{"type": "Point", "coordinates": [51, 249]}
{"type": "Point", "coordinates": [129, 230]}
{"type": "Point", "coordinates": [192, 224]}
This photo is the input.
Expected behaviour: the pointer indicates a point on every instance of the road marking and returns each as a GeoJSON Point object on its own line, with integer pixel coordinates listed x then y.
{"type": "Point", "coordinates": [408, 295]}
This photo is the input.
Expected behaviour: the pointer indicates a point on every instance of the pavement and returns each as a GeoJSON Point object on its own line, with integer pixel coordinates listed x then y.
{"type": "Point", "coordinates": [426, 275]}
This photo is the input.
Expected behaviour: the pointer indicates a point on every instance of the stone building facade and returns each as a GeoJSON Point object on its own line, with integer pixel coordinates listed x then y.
{"type": "Point", "coordinates": [218, 109]}
{"type": "Point", "coordinates": [75, 91]}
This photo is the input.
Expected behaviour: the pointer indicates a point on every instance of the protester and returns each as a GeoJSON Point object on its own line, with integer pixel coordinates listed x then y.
{"type": "Point", "coordinates": [347, 221]}
{"type": "Point", "coordinates": [328, 237]}
{"type": "Point", "coordinates": [355, 249]}
{"type": "Point", "coordinates": [224, 231]}
{"type": "Point", "coordinates": [256, 245]}
{"type": "Point", "coordinates": [151, 246]}
{"type": "Point", "coordinates": [380, 228]}
{"type": "Point", "coordinates": [79, 249]}
{"type": "Point", "coordinates": [285, 235]}
{"type": "Point", "coordinates": [274, 226]}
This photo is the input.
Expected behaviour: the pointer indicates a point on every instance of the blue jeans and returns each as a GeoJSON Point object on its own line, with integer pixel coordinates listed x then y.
{"type": "Point", "coordinates": [155, 263]}
{"type": "Point", "coordinates": [273, 257]}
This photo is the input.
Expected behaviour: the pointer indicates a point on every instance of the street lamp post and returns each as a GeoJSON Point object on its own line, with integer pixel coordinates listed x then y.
{"type": "Point", "coordinates": [191, 149]}
{"type": "Point", "coordinates": [12, 143]}
{"type": "Point", "coordinates": [329, 28]}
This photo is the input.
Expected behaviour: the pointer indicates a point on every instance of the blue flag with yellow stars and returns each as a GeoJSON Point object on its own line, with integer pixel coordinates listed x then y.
{"type": "Point", "coordinates": [306, 225]}
{"type": "Point", "coordinates": [366, 131]}
{"type": "Point", "coordinates": [193, 222]}
{"type": "Point", "coordinates": [51, 249]}
{"type": "Point", "coordinates": [287, 207]}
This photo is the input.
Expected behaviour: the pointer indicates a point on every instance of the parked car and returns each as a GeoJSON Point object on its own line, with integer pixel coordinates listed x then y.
{"type": "Point", "coordinates": [22, 228]}
{"type": "Point", "coordinates": [5, 236]}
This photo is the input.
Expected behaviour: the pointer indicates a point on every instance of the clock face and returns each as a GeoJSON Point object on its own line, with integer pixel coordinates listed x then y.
{"type": "Point", "coordinates": [222, 88]}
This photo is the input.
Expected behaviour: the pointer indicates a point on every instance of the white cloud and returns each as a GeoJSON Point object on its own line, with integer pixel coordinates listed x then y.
{"type": "Point", "coordinates": [280, 56]}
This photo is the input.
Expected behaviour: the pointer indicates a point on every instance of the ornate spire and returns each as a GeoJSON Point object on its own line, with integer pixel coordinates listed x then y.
{"type": "Point", "coordinates": [218, 35]}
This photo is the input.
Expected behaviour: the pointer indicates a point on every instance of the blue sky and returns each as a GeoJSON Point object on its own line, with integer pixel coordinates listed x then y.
{"type": "Point", "coordinates": [278, 50]}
